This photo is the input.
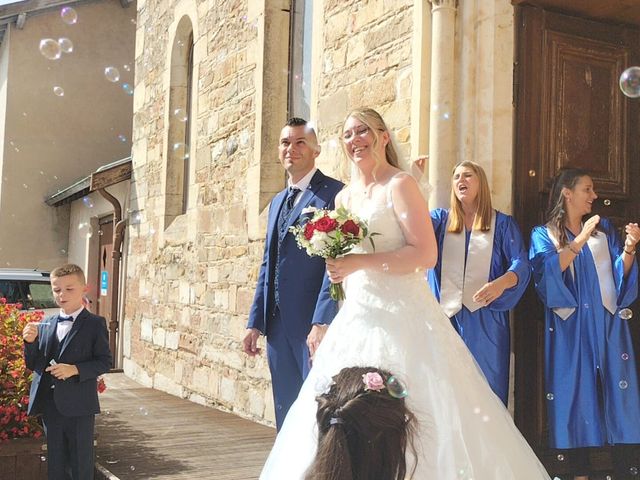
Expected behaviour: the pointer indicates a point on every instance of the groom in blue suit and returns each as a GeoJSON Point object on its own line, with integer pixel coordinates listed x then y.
{"type": "Point", "coordinates": [292, 306]}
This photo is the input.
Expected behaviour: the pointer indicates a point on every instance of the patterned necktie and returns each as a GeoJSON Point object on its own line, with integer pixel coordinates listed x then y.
{"type": "Point", "coordinates": [283, 222]}
{"type": "Point", "coordinates": [285, 212]}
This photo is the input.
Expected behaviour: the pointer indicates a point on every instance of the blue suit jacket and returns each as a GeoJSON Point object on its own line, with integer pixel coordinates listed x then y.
{"type": "Point", "coordinates": [87, 347]}
{"type": "Point", "coordinates": [303, 285]}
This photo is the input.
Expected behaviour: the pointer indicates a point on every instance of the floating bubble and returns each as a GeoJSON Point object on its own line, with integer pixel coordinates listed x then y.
{"type": "Point", "coordinates": [43, 458]}
{"type": "Point", "coordinates": [50, 48]}
{"type": "Point", "coordinates": [87, 202]}
{"type": "Point", "coordinates": [560, 458]}
{"type": "Point", "coordinates": [128, 89]}
{"type": "Point", "coordinates": [133, 21]}
{"type": "Point", "coordinates": [63, 251]}
{"type": "Point", "coordinates": [630, 82]}
{"type": "Point", "coordinates": [404, 215]}
{"type": "Point", "coordinates": [485, 418]}
{"type": "Point", "coordinates": [100, 233]}
{"type": "Point", "coordinates": [551, 329]}
{"type": "Point", "coordinates": [625, 313]}
{"type": "Point", "coordinates": [126, 67]}
{"type": "Point", "coordinates": [385, 267]}
{"type": "Point", "coordinates": [180, 114]}
{"type": "Point", "coordinates": [122, 138]}
{"type": "Point", "coordinates": [550, 396]}
{"type": "Point", "coordinates": [24, 185]}
{"type": "Point", "coordinates": [476, 410]}
{"type": "Point", "coordinates": [178, 146]}
{"type": "Point", "coordinates": [623, 384]}
{"type": "Point", "coordinates": [625, 356]}
{"type": "Point", "coordinates": [112, 74]}
{"type": "Point", "coordinates": [132, 468]}
{"type": "Point", "coordinates": [85, 230]}
{"type": "Point", "coordinates": [58, 91]}
{"type": "Point", "coordinates": [65, 45]}
{"type": "Point", "coordinates": [395, 388]}
{"type": "Point", "coordinates": [69, 15]}
{"type": "Point", "coordinates": [143, 411]}
{"type": "Point", "coordinates": [633, 470]}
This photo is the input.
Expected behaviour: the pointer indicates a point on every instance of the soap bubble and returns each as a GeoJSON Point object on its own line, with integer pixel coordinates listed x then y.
{"type": "Point", "coordinates": [630, 82]}
{"type": "Point", "coordinates": [66, 45]}
{"type": "Point", "coordinates": [625, 356]}
{"type": "Point", "coordinates": [50, 48]}
{"type": "Point", "coordinates": [128, 89]}
{"type": "Point", "coordinates": [623, 384]}
{"type": "Point", "coordinates": [180, 114]}
{"type": "Point", "coordinates": [58, 91]}
{"type": "Point", "coordinates": [395, 388]}
{"type": "Point", "coordinates": [626, 313]}
{"type": "Point", "coordinates": [560, 458]}
{"type": "Point", "coordinates": [112, 74]}
{"type": "Point", "coordinates": [122, 138]}
{"type": "Point", "coordinates": [68, 15]}
{"type": "Point", "coordinates": [550, 396]}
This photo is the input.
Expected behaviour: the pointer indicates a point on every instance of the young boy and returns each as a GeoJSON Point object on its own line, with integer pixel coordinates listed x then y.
{"type": "Point", "coordinates": [67, 352]}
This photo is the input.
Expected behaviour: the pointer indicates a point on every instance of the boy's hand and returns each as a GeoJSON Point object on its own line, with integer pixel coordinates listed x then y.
{"type": "Point", "coordinates": [30, 332]}
{"type": "Point", "coordinates": [62, 371]}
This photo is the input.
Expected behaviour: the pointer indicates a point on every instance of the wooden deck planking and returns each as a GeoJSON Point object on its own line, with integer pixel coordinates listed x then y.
{"type": "Point", "coordinates": [146, 434]}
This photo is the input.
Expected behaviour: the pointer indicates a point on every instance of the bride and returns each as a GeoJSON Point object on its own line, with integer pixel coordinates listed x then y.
{"type": "Point", "coordinates": [391, 320]}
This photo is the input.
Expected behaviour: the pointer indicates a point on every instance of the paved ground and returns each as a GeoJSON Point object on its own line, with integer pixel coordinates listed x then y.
{"type": "Point", "coordinates": [147, 434]}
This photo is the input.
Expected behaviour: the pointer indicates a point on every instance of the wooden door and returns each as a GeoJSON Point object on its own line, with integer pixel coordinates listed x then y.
{"type": "Point", "coordinates": [569, 112]}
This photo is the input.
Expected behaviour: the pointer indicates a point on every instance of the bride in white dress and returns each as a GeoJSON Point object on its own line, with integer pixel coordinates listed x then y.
{"type": "Point", "coordinates": [391, 320]}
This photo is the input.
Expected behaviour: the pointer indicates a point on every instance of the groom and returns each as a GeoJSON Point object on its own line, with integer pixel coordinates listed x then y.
{"type": "Point", "coordinates": [292, 306]}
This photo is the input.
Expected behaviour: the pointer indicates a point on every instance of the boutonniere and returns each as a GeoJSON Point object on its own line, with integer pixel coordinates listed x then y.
{"type": "Point", "coordinates": [308, 210]}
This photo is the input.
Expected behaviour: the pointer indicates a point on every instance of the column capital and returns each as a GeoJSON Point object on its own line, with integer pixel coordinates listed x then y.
{"type": "Point", "coordinates": [436, 4]}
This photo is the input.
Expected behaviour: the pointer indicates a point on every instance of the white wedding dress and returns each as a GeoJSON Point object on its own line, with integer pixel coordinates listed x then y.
{"type": "Point", "coordinates": [395, 323]}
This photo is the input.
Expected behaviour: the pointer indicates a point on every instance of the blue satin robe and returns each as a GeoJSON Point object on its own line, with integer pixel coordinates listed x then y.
{"type": "Point", "coordinates": [486, 331]}
{"type": "Point", "coordinates": [590, 346]}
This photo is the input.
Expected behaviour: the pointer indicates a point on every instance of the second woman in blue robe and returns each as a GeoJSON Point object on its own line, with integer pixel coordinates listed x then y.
{"type": "Point", "coordinates": [493, 252]}
{"type": "Point", "coordinates": [586, 279]}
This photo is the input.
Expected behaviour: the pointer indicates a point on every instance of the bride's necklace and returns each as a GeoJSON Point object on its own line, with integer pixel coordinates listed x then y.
{"type": "Point", "coordinates": [367, 190]}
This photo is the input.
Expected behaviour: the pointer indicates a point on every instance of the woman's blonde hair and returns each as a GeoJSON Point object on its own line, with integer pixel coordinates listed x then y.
{"type": "Point", "coordinates": [373, 120]}
{"type": "Point", "coordinates": [482, 220]}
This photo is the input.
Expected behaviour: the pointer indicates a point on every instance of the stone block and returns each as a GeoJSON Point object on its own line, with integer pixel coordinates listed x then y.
{"type": "Point", "coordinates": [159, 337]}
{"type": "Point", "coordinates": [146, 330]}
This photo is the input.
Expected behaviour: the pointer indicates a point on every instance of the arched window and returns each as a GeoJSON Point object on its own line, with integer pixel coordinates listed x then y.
{"type": "Point", "coordinates": [178, 152]}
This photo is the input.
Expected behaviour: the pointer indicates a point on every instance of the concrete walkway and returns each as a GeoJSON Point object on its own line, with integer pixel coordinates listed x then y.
{"type": "Point", "coordinates": [146, 434]}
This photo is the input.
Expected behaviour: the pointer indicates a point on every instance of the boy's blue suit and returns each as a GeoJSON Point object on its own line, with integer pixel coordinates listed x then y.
{"type": "Point", "coordinates": [73, 401]}
{"type": "Point", "coordinates": [303, 295]}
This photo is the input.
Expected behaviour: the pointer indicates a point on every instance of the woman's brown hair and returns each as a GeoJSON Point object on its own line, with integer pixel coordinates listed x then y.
{"type": "Point", "coordinates": [362, 434]}
{"type": "Point", "coordinates": [484, 214]}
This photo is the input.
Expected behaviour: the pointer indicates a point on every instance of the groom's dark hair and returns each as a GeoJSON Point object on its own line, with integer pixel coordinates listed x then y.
{"type": "Point", "coordinates": [301, 122]}
{"type": "Point", "coordinates": [363, 434]}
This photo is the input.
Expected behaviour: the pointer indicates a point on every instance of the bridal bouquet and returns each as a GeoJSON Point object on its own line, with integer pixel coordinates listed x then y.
{"type": "Point", "coordinates": [330, 234]}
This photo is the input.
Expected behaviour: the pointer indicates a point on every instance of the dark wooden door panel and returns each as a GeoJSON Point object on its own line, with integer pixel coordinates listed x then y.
{"type": "Point", "coordinates": [569, 112]}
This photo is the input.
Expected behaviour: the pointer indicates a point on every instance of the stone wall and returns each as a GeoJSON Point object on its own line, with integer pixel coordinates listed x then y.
{"type": "Point", "coordinates": [190, 284]}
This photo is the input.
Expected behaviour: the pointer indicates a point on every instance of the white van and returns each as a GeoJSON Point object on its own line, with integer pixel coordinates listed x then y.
{"type": "Point", "coordinates": [31, 288]}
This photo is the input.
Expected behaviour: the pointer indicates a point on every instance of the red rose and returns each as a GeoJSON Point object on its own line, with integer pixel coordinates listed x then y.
{"type": "Point", "coordinates": [309, 228]}
{"type": "Point", "coordinates": [325, 224]}
{"type": "Point", "coordinates": [350, 227]}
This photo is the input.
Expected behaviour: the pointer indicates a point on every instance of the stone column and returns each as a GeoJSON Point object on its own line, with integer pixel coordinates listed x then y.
{"type": "Point", "coordinates": [441, 123]}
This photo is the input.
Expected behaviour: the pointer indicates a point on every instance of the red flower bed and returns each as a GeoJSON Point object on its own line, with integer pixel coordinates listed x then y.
{"type": "Point", "coordinates": [15, 379]}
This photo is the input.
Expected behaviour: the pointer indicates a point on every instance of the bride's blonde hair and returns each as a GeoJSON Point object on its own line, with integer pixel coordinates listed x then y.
{"type": "Point", "coordinates": [373, 120]}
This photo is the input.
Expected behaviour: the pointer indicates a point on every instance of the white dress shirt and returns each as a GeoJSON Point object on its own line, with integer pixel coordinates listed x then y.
{"type": "Point", "coordinates": [65, 325]}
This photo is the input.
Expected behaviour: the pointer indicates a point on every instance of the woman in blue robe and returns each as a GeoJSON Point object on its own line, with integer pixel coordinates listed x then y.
{"type": "Point", "coordinates": [481, 273]}
{"type": "Point", "coordinates": [586, 280]}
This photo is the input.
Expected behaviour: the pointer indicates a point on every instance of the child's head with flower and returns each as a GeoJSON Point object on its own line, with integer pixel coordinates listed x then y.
{"type": "Point", "coordinates": [364, 427]}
